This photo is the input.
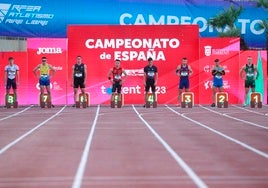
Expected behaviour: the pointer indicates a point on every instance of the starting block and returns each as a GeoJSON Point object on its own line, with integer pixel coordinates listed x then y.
{"type": "Point", "coordinates": [117, 100]}
{"type": "Point", "coordinates": [151, 100]}
{"type": "Point", "coordinates": [255, 100]}
{"type": "Point", "coordinates": [11, 100]}
{"type": "Point", "coordinates": [187, 99]}
{"type": "Point", "coordinates": [82, 101]}
{"type": "Point", "coordinates": [222, 99]}
{"type": "Point", "coordinates": [45, 101]}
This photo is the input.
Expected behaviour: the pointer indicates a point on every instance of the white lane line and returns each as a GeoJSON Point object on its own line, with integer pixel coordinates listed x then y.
{"type": "Point", "coordinates": [29, 132]}
{"type": "Point", "coordinates": [197, 180]}
{"type": "Point", "coordinates": [12, 115]}
{"type": "Point", "coordinates": [259, 113]}
{"type": "Point", "coordinates": [244, 121]}
{"type": "Point", "coordinates": [83, 162]}
{"type": "Point", "coordinates": [263, 154]}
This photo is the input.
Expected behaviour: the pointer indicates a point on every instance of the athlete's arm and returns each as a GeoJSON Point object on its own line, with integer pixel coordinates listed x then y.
{"type": "Point", "coordinates": [178, 70]}
{"type": "Point", "coordinates": [18, 76]}
{"type": "Point", "coordinates": [72, 75]}
{"type": "Point", "coordinates": [214, 71]}
{"type": "Point", "coordinates": [223, 71]}
{"type": "Point", "coordinates": [85, 73]}
{"type": "Point", "coordinates": [156, 77]}
{"type": "Point", "coordinates": [125, 75]}
{"type": "Point", "coordinates": [256, 72]}
{"type": "Point", "coordinates": [5, 77]}
{"type": "Point", "coordinates": [190, 70]}
{"type": "Point", "coordinates": [53, 70]}
{"type": "Point", "coordinates": [241, 71]}
{"type": "Point", "coordinates": [35, 70]}
{"type": "Point", "coordinates": [144, 76]}
{"type": "Point", "coordinates": [110, 74]}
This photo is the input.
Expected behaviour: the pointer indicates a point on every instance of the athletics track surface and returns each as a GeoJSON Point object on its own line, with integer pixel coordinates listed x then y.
{"type": "Point", "coordinates": [134, 147]}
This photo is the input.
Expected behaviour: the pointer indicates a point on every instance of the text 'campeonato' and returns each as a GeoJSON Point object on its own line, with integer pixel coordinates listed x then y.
{"type": "Point", "coordinates": [133, 43]}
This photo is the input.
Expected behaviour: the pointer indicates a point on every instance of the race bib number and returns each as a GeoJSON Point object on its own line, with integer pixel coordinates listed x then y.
{"type": "Point", "coordinates": [117, 77]}
{"type": "Point", "coordinates": [79, 74]}
{"type": "Point", "coordinates": [218, 76]}
{"type": "Point", "coordinates": [250, 74]}
{"type": "Point", "coordinates": [44, 76]}
{"type": "Point", "coordinates": [151, 74]}
{"type": "Point", "coordinates": [184, 73]}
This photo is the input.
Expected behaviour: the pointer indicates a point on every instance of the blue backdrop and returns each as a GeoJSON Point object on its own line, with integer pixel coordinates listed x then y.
{"type": "Point", "coordinates": [46, 18]}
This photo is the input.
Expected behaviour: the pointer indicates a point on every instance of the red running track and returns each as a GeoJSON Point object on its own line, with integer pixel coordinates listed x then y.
{"type": "Point", "coordinates": [134, 147]}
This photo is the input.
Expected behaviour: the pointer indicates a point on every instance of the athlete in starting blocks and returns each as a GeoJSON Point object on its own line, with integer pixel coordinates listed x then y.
{"type": "Point", "coordinates": [11, 80]}
{"type": "Point", "coordinates": [115, 75]}
{"type": "Point", "coordinates": [249, 73]}
{"type": "Point", "coordinates": [150, 79]}
{"type": "Point", "coordinates": [184, 71]}
{"type": "Point", "coordinates": [79, 76]}
{"type": "Point", "coordinates": [217, 73]}
{"type": "Point", "coordinates": [44, 82]}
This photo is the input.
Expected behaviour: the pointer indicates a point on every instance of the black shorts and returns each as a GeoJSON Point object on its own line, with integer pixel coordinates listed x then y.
{"type": "Point", "coordinates": [249, 83]}
{"type": "Point", "coordinates": [184, 83]}
{"type": "Point", "coordinates": [117, 87]}
{"type": "Point", "coordinates": [11, 83]}
{"type": "Point", "coordinates": [150, 84]}
{"type": "Point", "coordinates": [79, 82]}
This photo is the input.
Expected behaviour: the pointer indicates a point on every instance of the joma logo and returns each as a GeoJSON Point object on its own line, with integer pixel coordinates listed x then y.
{"type": "Point", "coordinates": [49, 51]}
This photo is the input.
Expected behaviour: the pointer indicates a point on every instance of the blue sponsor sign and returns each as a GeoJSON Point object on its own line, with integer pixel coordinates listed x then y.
{"type": "Point", "coordinates": [44, 18]}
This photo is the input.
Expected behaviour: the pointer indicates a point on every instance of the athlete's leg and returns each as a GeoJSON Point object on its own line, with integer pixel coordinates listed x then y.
{"type": "Point", "coordinates": [213, 96]}
{"type": "Point", "coordinates": [83, 89]}
{"type": "Point", "coordinates": [147, 88]}
{"type": "Point", "coordinates": [42, 91]}
{"type": "Point", "coordinates": [179, 97]}
{"type": "Point", "coordinates": [75, 94]}
{"type": "Point", "coordinates": [48, 92]}
{"type": "Point", "coordinates": [8, 86]}
{"type": "Point", "coordinates": [14, 87]}
{"type": "Point", "coordinates": [246, 95]}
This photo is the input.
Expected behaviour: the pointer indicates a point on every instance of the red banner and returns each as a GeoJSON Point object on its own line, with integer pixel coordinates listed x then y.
{"type": "Point", "coordinates": [99, 46]}
{"type": "Point", "coordinates": [20, 59]}
{"type": "Point", "coordinates": [227, 51]}
{"type": "Point", "coordinates": [56, 52]}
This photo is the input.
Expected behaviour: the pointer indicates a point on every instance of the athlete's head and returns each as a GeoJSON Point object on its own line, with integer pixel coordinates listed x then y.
{"type": "Point", "coordinates": [184, 61]}
{"type": "Point", "coordinates": [249, 60]}
{"type": "Point", "coordinates": [78, 59]}
{"type": "Point", "coordinates": [11, 60]}
{"type": "Point", "coordinates": [217, 62]}
{"type": "Point", "coordinates": [117, 63]}
{"type": "Point", "coordinates": [44, 60]}
{"type": "Point", "coordinates": [150, 61]}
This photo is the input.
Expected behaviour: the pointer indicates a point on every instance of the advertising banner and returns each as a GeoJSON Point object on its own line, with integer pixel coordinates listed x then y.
{"type": "Point", "coordinates": [259, 59]}
{"type": "Point", "coordinates": [39, 18]}
{"type": "Point", "coordinates": [227, 51]}
{"type": "Point", "coordinates": [20, 59]}
{"type": "Point", "coordinates": [99, 46]}
{"type": "Point", "coordinates": [232, 59]}
{"type": "Point", "coordinates": [55, 50]}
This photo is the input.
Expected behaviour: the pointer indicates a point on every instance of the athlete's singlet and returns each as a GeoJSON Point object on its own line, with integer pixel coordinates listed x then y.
{"type": "Point", "coordinates": [217, 78]}
{"type": "Point", "coordinates": [79, 71]}
{"type": "Point", "coordinates": [44, 78]}
{"type": "Point", "coordinates": [117, 74]}
{"type": "Point", "coordinates": [44, 69]}
{"type": "Point", "coordinates": [184, 78]}
{"type": "Point", "coordinates": [184, 71]}
{"type": "Point", "coordinates": [250, 76]}
{"type": "Point", "coordinates": [11, 71]}
{"type": "Point", "coordinates": [249, 72]}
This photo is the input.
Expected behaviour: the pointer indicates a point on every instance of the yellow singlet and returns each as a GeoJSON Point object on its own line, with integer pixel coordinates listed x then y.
{"type": "Point", "coordinates": [44, 69]}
